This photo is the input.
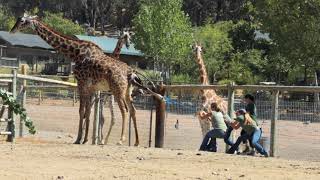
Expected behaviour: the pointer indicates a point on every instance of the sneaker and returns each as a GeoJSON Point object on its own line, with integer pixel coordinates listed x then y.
{"type": "Point", "coordinates": [252, 152]}
{"type": "Point", "coordinates": [266, 155]}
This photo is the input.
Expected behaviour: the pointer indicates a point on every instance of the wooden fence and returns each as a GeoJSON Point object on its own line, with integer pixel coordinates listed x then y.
{"type": "Point", "coordinates": [160, 106]}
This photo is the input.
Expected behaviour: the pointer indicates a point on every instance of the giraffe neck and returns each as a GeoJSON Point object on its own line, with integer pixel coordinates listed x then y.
{"type": "Point", "coordinates": [66, 45]}
{"type": "Point", "coordinates": [117, 49]}
{"type": "Point", "coordinates": [202, 70]}
{"type": "Point", "coordinates": [206, 94]}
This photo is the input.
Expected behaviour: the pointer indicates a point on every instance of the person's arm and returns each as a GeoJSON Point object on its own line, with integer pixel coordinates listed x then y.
{"type": "Point", "coordinates": [235, 125]}
{"type": "Point", "coordinates": [204, 115]}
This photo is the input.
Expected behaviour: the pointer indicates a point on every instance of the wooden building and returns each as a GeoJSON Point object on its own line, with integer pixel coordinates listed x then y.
{"type": "Point", "coordinates": [41, 58]}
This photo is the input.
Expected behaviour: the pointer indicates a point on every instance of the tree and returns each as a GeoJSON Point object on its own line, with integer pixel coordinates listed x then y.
{"type": "Point", "coordinates": [6, 19]}
{"type": "Point", "coordinates": [294, 27]}
{"type": "Point", "coordinates": [216, 44]}
{"type": "Point", "coordinates": [163, 31]}
{"type": "Point", "coordinates": [62, 25]}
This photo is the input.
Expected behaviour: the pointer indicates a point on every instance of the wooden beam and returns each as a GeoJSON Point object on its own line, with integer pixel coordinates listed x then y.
{"type": "Point", "coordinates": [5, 80]}
{"type": "Point", "coordinates": [248, 87]}
{"type": "Point", "coordinates": [45, 80]}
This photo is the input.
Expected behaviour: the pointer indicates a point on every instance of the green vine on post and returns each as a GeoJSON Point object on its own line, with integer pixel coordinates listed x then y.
{"type": "Point", "coordinates": [17, 109]}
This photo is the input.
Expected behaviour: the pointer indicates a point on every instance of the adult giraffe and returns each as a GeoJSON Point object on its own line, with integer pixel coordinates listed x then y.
{"type": "Point", "coordinates": [208, 96]}
{"type": "Point", "coordinates": [101, 73]}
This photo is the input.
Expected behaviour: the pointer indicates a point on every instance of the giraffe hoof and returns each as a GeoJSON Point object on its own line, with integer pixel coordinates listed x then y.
{"type": "Point", "coordinates": [136, 144]}
{"type": "Point", "coordinates": [119, 143]}
{"type": "Point", "coordinates": [77, 142]}
{"type": "Point", "coordinates": [85, 141]}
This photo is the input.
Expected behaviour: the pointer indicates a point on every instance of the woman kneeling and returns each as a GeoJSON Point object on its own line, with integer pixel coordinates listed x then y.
{"type": "Point", "coordinates": [209, 142]}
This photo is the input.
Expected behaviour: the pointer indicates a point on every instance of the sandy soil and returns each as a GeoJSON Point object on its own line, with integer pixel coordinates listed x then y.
{"type": "Point", "coordinates": [57, 120]}
{"type": "Point", "coordinates": [35, 159]}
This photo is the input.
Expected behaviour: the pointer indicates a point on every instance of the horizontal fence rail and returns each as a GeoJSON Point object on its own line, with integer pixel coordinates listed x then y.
{"type": "Point", "coordinates": [247, 87]}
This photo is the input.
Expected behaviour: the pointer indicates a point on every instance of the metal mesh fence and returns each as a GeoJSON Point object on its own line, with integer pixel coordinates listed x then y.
{"type": "Point", "coordinates": [298, 125]}
{"type": "Point", "coordinates": [55, 114]}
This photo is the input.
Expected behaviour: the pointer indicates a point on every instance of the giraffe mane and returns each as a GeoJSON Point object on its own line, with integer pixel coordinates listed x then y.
{"type": "Point", "coordinates": [65, 36]}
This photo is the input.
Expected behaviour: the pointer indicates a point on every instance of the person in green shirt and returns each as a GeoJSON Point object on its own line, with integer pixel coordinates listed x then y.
{"type": "Point", "coordinates": [209, 142]}
{"type": "Point", "coordinates": [252, 111]}
{"type": "Point", "coordinates": [251, 129]}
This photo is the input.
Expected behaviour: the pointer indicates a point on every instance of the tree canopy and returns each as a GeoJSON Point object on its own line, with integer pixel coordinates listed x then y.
{"type": "Point", "coordinates": [162, 30]}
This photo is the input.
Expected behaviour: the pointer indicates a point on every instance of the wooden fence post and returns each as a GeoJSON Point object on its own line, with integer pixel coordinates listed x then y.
{"type": "Point", "coordinates": [12, 116]}
{"type": "Point", "coordinates": [23, 99]}
{"type": "Point", "coordinates": [160, 118]}
{"type": "Point", "coordinates": [231, 106]}
{"type": "Point", "coordinates": [95, 135]}
{"type": "Point", "coordinates": [40, 97]}
{"type": "Point", "coordinates": [273, 132]}
{"type": "Point", "coordinates": [150, 127]}
{"type": "Point", "coordinates": [74, 97]}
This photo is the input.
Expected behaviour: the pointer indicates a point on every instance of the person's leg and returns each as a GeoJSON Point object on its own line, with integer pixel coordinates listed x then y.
{"type": "Point", "coordinates": [217, 133]}
{"type": "Point", "coordinates": [204, 144]}
{"type": "Point", "coordinates": [245, 141]}
{"type": "Point", "coordinates": [227, 136]}
{"type": "Point", "coordinates": [235, 146]}
{"type": "Point", "coordinates": [255, 142]}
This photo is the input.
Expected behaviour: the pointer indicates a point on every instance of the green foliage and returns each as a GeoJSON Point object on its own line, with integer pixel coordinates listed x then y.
{"type": "Point", "coordinates": [229, 51]}
{"type": "Point", "coordinates": [162, 30]}
{"type": "Point", "coordinates": [216, 44]}
{"type": "Point", "coordinates": [6, 19]}
{"type": "Point", "coordinates": [294, 27]}
{"type": "Point", "coordinates": [182, 79]}
{"type": "Point", "coordinates": [152, 75]}
{"type": "Point", "coordinates": [61, 24]}
{"type": "Point", "coordinates": [17, 109]}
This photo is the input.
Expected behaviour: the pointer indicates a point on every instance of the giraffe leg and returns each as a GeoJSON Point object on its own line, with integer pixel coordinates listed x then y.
{"type": "Point", "coordinates": [132, 111]}
{"type": "Point", "coordinates": [124, 111]}
{"type": "Point", "coordinates": [101, 121]}
{"type": "Point", "coordinates": [111, 107]}
{"type": "Point", "coordinates": [87, 117]}
{"type": "Point", "coordinates": [81, 114]}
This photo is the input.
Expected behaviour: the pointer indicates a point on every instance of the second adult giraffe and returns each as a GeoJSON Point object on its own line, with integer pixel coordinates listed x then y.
{"type": "Point", "coordinates": [101, 73]}
{"type": "Point", "coordinates": [208, 96]}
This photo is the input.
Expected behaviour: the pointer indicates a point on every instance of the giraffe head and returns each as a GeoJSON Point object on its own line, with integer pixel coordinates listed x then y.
{"type": "Point", "coordinates": [23, 22]}
{"type": "Point", "coordinates": [198, 49]}
{"type": "Point", "coordinates": [125, 36]}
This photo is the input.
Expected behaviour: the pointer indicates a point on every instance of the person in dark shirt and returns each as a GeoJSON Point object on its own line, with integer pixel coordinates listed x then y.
{"type": "Point", "coordinates": [252, 111]}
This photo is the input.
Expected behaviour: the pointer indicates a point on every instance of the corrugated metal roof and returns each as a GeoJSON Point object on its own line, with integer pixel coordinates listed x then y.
{"type": "Point", "coordinates": [108, 44]}
{"type": "Point", "coordinates": [26, 40]}
{"type": "Point", "coordinates": [34, 41]}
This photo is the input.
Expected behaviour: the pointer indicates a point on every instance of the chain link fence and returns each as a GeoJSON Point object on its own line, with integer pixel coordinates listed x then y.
{"type": "Point", "coordinates": [54, 111]}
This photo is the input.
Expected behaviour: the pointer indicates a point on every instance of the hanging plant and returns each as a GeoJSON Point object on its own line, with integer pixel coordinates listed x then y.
{"type": "Point", "coordinates": [8, 99]}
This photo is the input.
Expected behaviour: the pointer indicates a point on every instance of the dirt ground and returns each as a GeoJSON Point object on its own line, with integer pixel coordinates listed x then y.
{"type": "Point", "coordinates": [50, 153]}
{"type": "Point", "coordinates": [31, 158]}
{"type": "Point", "coordinates": [57, 120]}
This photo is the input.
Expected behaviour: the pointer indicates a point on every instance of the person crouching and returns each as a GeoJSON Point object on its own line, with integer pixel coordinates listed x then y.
{"type": "Point", "coordinates": [209, 142]}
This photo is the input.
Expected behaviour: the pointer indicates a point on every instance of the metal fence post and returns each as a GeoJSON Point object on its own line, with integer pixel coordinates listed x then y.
{"type": "Point", "coordinates": [273, 132]}
{"type": "Point", "coordinates": [231, 106]}
{"type": "Point", "coordinates": [95, 134]}
{"type": "Point", "coordinates": [12, 116]}
{"type": "Point", "coordinates": [160, 119]}
{"type": "Point", "coordinates": [23, 99]}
